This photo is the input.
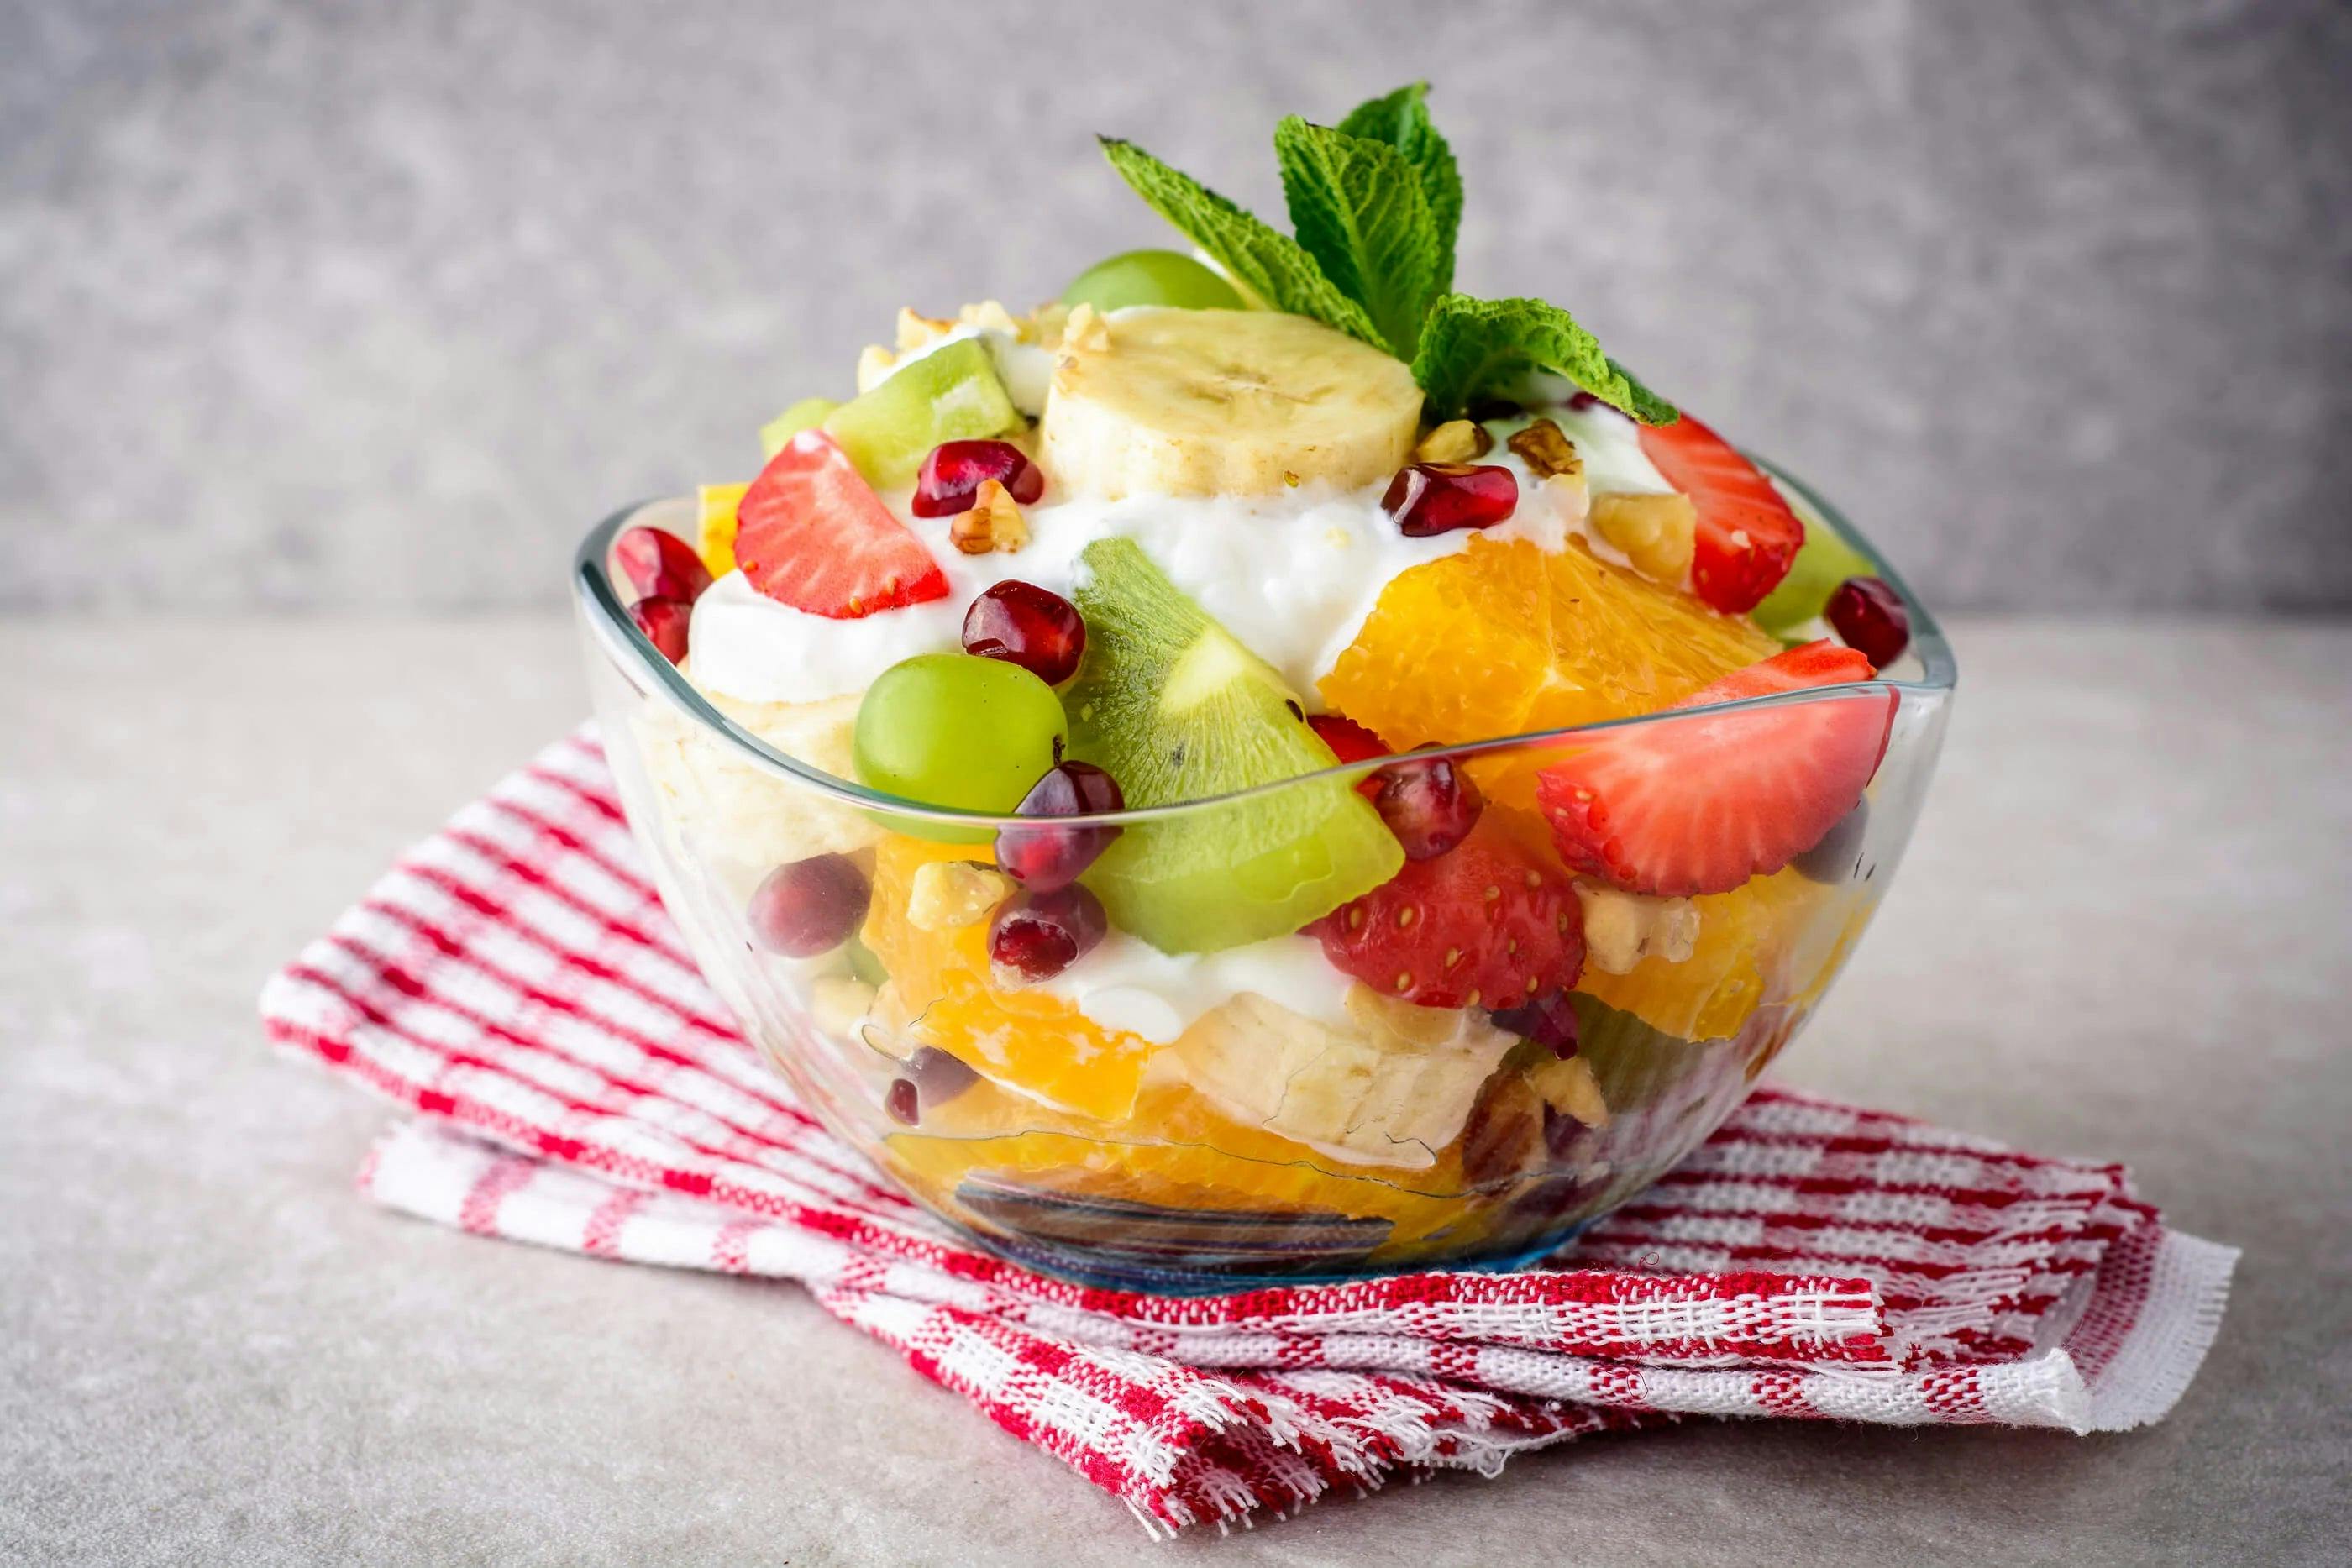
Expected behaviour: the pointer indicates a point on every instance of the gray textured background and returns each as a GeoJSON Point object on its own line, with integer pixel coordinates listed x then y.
{"type": "Point", "coordinates": [379, 306]}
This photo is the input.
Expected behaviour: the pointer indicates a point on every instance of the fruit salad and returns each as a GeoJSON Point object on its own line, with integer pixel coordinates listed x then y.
{"type": "Point", "coordinates": [1264, 766]}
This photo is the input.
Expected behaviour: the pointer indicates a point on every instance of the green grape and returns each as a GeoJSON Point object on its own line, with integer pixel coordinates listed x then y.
{"type": "Point", "coordinates": [802, 416]}
{"type": "Point", "coordinates": [953, 729]}
{"type": "Point", "coordinates": [1151, 278]}
{"type": "Point", "coordinates": [952, 393]}
{"type": "Point", "coordinates": [1822, 562]}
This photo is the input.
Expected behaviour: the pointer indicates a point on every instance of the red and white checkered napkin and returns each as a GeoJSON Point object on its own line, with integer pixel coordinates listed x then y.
{"type": "Point", "coordinates": [515, 981]}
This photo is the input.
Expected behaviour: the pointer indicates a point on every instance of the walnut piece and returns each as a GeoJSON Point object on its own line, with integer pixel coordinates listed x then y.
{"type": "Point", "coordinates": [915, 331]}
{"type": "Point", "coordinates": [1621, 928]}
{"type": "Point", "coordinates": [1655, 532]}
{"type": "Point", "coordinates": [1086, 331]}
{"type": "Point", "coordinates": [1547, 450]}
{"type": "Point", "coordinates": [1455, 441]}
{"type": "Point", "coordinates": [993, 523]}
{"type": "Point", "coordinates": [1569, 1087]}
{"type": "Point", "coordinates": [948, 895]}
{"type": "Point", "coordinates": [873, 362]}
{"type": "Point", "coordinates": [989, 316]}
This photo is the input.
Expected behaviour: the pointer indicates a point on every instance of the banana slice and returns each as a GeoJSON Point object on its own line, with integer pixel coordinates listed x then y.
{"type": "Point", "coordinates": [1207, 402]}
{"type": "Point", "coordinates": [1381, 1093]}
{"type": "Point", "coordinates": [740, 821]}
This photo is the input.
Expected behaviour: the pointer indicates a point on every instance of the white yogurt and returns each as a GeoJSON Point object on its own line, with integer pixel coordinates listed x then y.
{"type": "Point", "coordinates": [1128, 984]}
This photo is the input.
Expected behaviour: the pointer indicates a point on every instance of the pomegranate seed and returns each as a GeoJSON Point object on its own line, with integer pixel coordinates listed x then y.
{"type": "Point", "coordinates": [1870, 616]}
{"type": "Point", "coordinates": [902, 1104]}
{"type": "Point", "coordinates": [808, 907]}
{"type": "Point", "coordinates": [938, 1076]}
{"type": "Point", "coordinates": [1027, 625]}
{"type": "Point", "coordinates": [1439, 497]}
{"type": "Point", "coordinates": [951, 475]}
{"type": "Point", "coordinates": [1349, 741]}
{"type": "Point", "coordinates": [1549, 1020]}
{"type": "Point", "coordinates": [1431, 806]}
{"type": "Point", "coordinates": [1036, 935]}
{"type": "Point", "coordinates": [664, 622]}
{"type": "Point", "coordinates": [1042, 859]}
{"type": "Point", "coordinates": [660, 565]}
{"type": "Point", "coordinates": [1581, 400]}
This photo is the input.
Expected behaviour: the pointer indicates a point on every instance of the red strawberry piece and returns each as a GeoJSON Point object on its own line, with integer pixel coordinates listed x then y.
{"type": "Point", "coordinates": [1484, 924]}
{"type": "Point", "coordinates": [1676, 807]}
{"type": "Point", "coordinates": [810, 533]}
{"type": "Point", "coordinates": [1747, 536]}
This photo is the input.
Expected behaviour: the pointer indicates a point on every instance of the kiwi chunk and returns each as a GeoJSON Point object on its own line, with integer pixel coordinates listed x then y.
{"type": "Point", "coordinates": [952, 393]}
{"type": "Point", "coordinates": [1177, 709]}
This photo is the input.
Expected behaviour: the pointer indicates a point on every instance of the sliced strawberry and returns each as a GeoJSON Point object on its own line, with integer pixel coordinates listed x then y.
{"type": "Point", "coordinates": [1699, 805]}
{"type": "Point", "coordinates": [1747, 536]}
{"type": "Point", "coordinates": [1484, 924]}
{"type": "Point", "coordinates": [810, 533]}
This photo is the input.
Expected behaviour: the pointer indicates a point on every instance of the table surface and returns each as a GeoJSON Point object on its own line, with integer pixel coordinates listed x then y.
{"type": "Point", "coordinates": [2122, 931]}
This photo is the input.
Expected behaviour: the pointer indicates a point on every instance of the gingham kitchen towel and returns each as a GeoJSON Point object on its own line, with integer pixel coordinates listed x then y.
{"type": "Point", "coordinates": [515, 982]}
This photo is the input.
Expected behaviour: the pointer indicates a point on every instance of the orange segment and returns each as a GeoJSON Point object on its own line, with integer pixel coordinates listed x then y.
{"type": "Point", "coordinates": [1038, 1044]}
{"type": "Point", "coordinates": [1501, 639]}
{"type": "Point", "coordinates": [1184, 1156]}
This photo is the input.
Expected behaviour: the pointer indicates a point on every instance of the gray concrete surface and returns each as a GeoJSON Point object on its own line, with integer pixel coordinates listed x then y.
{"type": "Point", "coordinates": [2122, 931]}
{"type": "Point", "coordinates": [380, 305]}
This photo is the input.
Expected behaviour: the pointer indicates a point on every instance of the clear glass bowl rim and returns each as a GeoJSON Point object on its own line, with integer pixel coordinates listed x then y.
{"type": "Point", "coordinates": [608, 620]}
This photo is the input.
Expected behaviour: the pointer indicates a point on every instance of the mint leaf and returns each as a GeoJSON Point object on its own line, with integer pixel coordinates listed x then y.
{"type": "Point", "coordinates": [1401, 121]}
{"type": "Point", "coordinates": [1359, 213]}
{"type": "Point", "coordinates": [1469, 346]}
{"type": "Point", "coordinates": [1265, 261]}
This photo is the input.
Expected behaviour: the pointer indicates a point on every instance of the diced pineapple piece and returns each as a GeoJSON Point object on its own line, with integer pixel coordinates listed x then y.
{"type": "Point", "coordinates": [714, 541]}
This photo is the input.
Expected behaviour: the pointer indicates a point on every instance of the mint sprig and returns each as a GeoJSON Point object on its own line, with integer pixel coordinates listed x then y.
{"type": "Point", "coordinates": [1360, 213]}
{"type": "Point", "coordinates": [1377, 203]}
{"type": "Point", "coordinates": [1469, 346]}
{"type": "Point", "coordinates": [1266, 262]}
{"type": "Point", "coordinates": [1401, 119]}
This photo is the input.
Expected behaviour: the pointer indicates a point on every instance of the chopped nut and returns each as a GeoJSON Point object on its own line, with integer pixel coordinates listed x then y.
{"type": "Point", "coordinates": [1621, 928]}
{"type": "Point", "coordinates": [837, 1003]}
{"type": "Point", "coordinates": [1455, 441]}
{"type": "Point", "coordinates": [1546, 450]}
{"type": "Point", "coordinates": [948, 895]}
{"type": "Point", "coordinates": [989, 316]}
{"type": "Point", "coordinates": [1043, 325]}
{"type": "Point", "coordinates": [1569, 1087]}
{"type": "Point", "coordinates": [1504, 1136]}
{"type": "Point", "coordinates": [1086, 332]}
{"type": "Point", "coordinates": [1655, 531]}
{"type": "Point", "coordinates": [993, 522]}
{"type": "Point", "coordinates": [915, 331]}
{"type": "Point", "coordinates": [873, 362]}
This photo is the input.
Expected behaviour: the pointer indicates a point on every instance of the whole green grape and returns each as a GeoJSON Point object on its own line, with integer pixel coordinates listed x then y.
{"type": "Point", "coordinates": [1151, 278]}
{"type": "Point", "coordinates": [953, 729]}
{"type": "Point", "coordinates": [1822, 562]}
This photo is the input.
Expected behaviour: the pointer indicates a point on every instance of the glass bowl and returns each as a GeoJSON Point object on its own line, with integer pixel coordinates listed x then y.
{"type": "Point", "coordinates": [1180, 1125]}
